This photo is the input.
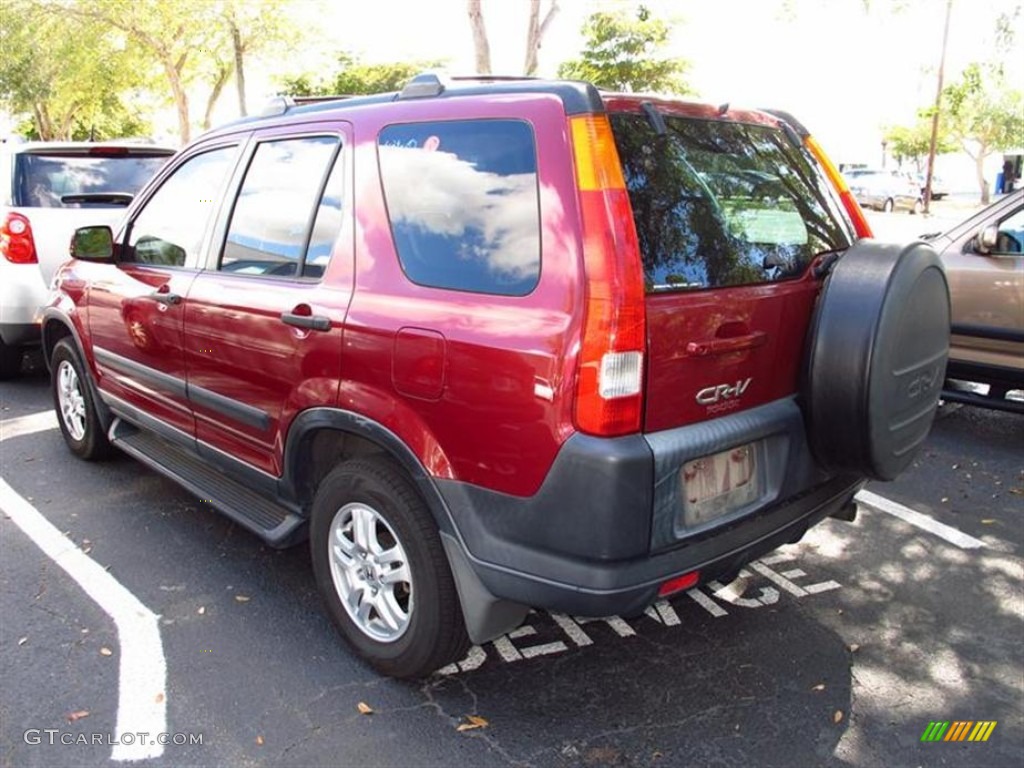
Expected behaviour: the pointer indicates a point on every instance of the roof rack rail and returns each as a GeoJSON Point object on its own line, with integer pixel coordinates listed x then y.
{"type": "Point", "coordinates": [496, 78]}
{"type": "Point", "coordinates": [277, 105]}
{"type": "Point", "coordinates": [423, 86]}
{"type": "Point", "coordinates": [299, 100]}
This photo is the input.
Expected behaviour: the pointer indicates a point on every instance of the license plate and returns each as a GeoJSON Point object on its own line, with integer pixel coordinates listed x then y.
{"type": "Point", "coordinates": [714, 486]}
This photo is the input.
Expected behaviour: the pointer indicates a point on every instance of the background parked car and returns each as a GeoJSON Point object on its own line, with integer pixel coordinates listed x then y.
{"type": "Point", "coordinates": [885, 192]}
{"type": "Point", "coordinates": [984, 260]}
{"type": "Point", "coordinates": [47, 190]}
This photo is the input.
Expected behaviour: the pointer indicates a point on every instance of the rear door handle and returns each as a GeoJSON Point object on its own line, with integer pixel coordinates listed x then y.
{"type": "Point", "coordinates": [165, 297]}
{"type": "Point", "coordinates": [308, 321]}
{"type": "Point", "coordinates": [722, 346]}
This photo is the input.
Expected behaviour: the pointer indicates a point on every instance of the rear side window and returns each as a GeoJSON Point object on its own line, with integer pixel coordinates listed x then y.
{"type": "Point", "coordinates": [720, 204]}
{"type": "Point", "coordinates": [272, 231]}
{"type": "Point", "coordinates": [462, 200]}
{"type": "Point", "coordinates": [43, 180]}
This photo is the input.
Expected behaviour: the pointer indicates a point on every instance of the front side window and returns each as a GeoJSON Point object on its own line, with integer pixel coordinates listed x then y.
{"type": "Point", "coordinates": [272, 231]}
{"type": "Point", "coordinates": [719, 204]}
{"type": "Point", "coordinates": [463, 202]}
{"type": "Point", "coordinates": [169, 229]}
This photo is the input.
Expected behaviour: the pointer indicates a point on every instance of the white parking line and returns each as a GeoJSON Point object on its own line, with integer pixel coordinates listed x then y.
{"type": "Point", "coordinates": [27, 425]}
{"type": "Point", "coordinates": [142, 684]}
{"type": "Point", "coordinates": [925, 523]}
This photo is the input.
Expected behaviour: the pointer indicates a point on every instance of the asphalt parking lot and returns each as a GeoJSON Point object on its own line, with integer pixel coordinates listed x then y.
{"type": "Point", "coordinates": [839, 650]}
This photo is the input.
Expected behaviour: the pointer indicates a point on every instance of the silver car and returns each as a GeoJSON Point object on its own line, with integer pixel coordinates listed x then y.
{"type": "Point", "coordinates": [885, 192]}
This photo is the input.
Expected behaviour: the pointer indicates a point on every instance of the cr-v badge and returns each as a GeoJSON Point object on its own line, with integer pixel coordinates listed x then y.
{"type": "Point", "coordinates": [711, 395]}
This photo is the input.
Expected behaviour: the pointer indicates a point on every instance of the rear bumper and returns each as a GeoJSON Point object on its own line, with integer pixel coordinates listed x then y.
{"type": "Point", "coordinates": [604, 531]}
{"type": "Point", "coordinates": [589, 588]}
{"type": "Point", "coordinates": [20, 334]}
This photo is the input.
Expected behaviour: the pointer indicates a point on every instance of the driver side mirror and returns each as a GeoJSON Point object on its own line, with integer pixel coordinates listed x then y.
{"type": "Point", "coordinates": [986, 240]}
{"type": "Point", "coordinates": [93, 244]}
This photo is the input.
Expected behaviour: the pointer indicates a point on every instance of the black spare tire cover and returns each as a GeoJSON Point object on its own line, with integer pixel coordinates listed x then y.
{"type": "Point", "coordinates": [876, 358]}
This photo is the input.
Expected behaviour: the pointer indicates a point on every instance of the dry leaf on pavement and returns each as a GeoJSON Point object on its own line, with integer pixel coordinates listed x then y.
{"type": "Point", "coordinates": [78, 715]}
{"type": "Point", "coordinates": [474, 722]}
{"type": "Point", "coordinates": [104, 651]}
{"type": "Point", "coordinates": [364, 708]}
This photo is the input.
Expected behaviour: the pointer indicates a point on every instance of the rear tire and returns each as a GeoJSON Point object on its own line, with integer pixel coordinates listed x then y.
{"type": "Point", "coordinates": [10, 361]}
{"type": "Point", "coordinates": [76, 409]}
{"type": "Point", "coordinates": [382, 572]}
{"type": "Point", "coordinates": [918, 207]}
{"type": "Point", "coordinates": [888, 205]}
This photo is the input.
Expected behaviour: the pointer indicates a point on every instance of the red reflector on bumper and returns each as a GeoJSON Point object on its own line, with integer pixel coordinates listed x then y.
{"type": "Point", "coordinates": [679, 583]}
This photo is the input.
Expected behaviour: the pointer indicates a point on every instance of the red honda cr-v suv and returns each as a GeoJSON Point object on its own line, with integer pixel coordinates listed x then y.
{"type": "Point", "coordinates": [496, 344]}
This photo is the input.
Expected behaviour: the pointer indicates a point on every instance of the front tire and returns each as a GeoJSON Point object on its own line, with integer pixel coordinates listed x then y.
{"type": "Point", "coordinates": [76, 409]}
{"type": "Point", "coordinates": [382, 572]}
{"type": "Point", "coordinates": [888, 205]}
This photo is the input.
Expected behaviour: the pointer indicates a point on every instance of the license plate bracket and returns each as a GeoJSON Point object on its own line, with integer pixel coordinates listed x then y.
{"type": "Point", "coordinates": [715, 486]}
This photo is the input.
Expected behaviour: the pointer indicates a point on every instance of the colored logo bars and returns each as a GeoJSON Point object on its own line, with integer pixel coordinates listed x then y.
{"type": "Point", "coordinates": [958, 730]}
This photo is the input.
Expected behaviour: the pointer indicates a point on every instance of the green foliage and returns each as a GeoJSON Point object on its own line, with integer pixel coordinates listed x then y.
{"type": "Point", "coordinates": [74, 79]}
{"type": "Point", "coordinates": [985, 110]}
{"type": "Point", "coordinates": [985, 114]}
{"type": "Point", "coordinates": [911, 142]}
{"type": "Point", "coordinates": [355, 78]}
{"type": "Point", "coordinates": [621, 53]}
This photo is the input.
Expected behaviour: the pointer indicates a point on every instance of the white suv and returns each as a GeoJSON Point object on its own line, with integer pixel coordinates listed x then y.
{"type": "Point", "coordinates": [47, 190]}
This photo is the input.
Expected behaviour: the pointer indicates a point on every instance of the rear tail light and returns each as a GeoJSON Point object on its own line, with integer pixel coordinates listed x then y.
{"type": "Point", "coordinates": [609, 380]}
{"type": "Point", "coordinates": [16, 242]}
{"type": "Point", "coordinates": [853, 209]}
{"type": "Point", "coordinates": [679, 583]}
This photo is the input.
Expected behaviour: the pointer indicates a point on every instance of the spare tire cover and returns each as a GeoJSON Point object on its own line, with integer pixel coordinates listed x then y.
{"type": "Point", "coordinates": [876, 358]}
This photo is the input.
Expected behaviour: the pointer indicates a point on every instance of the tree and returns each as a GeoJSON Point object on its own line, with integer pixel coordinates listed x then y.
{"type": "Point", "coordinates": [536, 28]}
{"type": "Point", "coordinates": [73, 78]}
{"type": "Point", "coordinates": [621, 53]}
{"type": "Point", "coordinates": [176, 37]}
{"type": "Point", "coordinates": [985, 115]}
{"type": "Point", "coordinates": [481, 46]}
{"type": "Point", "coordinates": [354, 78]}
{"type": "Point", "coordinates": [910, 143]}
{"type": "Point", "coordinates": [535, 31]}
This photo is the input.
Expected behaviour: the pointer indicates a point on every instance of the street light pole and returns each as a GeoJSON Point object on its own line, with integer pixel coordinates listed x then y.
{"type": "Point", "coordinates": [935, 114]}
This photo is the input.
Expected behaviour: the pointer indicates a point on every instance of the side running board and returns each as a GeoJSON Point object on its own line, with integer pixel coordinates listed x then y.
{"type": "Point", "coordinates": [275, 524]}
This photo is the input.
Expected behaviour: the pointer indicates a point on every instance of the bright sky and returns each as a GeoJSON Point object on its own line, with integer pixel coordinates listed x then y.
{"type": "Point", "coordinates": [845, 73]}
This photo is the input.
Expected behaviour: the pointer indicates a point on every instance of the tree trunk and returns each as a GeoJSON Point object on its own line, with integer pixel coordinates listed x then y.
{"type": "Point", "coordinates": [43, 127]}
{"type": "Point", "coordinates": [218, 86]}
{"type": "Point", "coordinates": [173, 71]}
{"type": "Point", "coordinates": [480, 44]}
{"type": "Point", "coordinates": [535, 30]}
{"type": "Point", "coordinates": [239, 48]}
{"type": "Point", "coordinates": [979, 169]}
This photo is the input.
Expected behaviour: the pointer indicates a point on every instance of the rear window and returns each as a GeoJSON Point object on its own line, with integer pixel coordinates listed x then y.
{"type": "Point", "coordinates": [720, 204]}
{"type": "Point", "coordinates": [462, 199]}
{"type": "Point", "coordinates": [42, 180]}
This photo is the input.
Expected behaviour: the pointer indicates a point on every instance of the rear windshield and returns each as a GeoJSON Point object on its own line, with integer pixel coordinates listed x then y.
{"type": "Point", "coordinates": [721, 204]}
{"type": "Point", "coordinates": [40, 181]}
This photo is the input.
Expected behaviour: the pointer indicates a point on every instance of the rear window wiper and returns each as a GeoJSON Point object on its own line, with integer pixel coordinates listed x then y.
{"type": "Point", "coordinates": [654, 118]}
{"type": "Point", "coordinates": [110, 198]}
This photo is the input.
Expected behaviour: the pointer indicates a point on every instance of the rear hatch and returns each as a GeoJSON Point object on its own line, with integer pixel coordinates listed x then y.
{"type": "Point", "coordinates": [731, 214]}
{"type": "Point", "coordinates": [62, 187]}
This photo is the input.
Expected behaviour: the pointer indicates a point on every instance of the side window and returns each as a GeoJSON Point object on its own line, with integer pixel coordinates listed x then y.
{"type": "Point", "coordinates": [1011, 234]}
{"type": "Point", "coordinates": [170, 228]}
{"type": "Point", "coordinates": [463, 203]}
{"type": "Point", "coordinates": [283, 192]}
